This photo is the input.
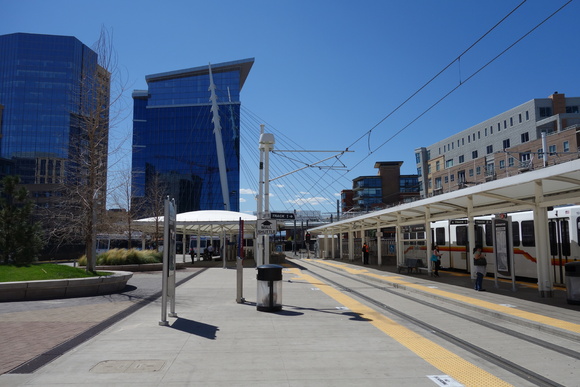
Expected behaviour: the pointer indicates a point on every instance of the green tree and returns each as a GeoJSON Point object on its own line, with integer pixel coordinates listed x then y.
{"type": "Point", "coordinates": [20, 237]}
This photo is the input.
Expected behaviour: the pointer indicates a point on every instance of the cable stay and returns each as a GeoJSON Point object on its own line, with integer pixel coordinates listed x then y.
{"type": "Point", "coordinates": [336, 156]}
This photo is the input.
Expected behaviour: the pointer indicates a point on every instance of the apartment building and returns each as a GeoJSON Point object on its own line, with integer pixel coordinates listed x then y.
{"type": "Point", "coordinates": [538, 133]}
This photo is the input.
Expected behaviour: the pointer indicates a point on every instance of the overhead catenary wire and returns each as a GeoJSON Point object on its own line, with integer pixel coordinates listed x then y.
{"type": "Point", "coordinates": [323, 184]}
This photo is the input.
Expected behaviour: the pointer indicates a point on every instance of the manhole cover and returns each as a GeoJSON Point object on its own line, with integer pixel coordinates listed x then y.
{"type": "Point", "coordinates": [127, 366]}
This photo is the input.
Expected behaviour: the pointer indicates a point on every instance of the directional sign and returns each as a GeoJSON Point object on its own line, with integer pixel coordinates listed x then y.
{"type": "Point", "coordinates": [281, 215]}
{"type": "Point", "coordinates": [266, 227]}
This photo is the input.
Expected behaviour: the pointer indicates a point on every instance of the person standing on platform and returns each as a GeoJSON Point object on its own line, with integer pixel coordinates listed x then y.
{"type": "Point", "coordinates": [480, 264]}
{"type": "Point", "coordinates": [436, 261]}
{"type": "Point", "coordinates": [365, 251]}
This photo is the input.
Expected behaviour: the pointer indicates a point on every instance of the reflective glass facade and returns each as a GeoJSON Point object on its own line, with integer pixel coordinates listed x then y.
{"type": "Point", "coordinates": [174, 145]}
{"type": "Point", "coordinates": [40, 94]}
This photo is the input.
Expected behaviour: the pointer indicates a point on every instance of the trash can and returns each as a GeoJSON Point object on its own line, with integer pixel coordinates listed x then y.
{"type": "Point", "coordinates": [572, 270]}
{"type": "Point", "coordinates": [269, 288]}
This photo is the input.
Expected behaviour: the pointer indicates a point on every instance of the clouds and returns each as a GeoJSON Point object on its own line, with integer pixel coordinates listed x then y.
{"type": "Point", "coordinates": [313, 201]}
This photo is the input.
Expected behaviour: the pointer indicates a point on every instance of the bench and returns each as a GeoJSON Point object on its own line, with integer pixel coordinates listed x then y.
{"type": "Point", "coordinates": [411, 264]}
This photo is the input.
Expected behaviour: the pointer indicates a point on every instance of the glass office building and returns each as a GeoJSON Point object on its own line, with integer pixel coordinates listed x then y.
{"type": "Point", "coordinates": [42, 84]}
{"type": "Point", "coordinates": [175, 151]}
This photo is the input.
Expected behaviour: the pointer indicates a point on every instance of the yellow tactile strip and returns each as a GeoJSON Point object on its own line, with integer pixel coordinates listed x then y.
{"type": "Point", "coordinates": [394, 279]}
{"type": "Point", "coordinates": [446, 361]}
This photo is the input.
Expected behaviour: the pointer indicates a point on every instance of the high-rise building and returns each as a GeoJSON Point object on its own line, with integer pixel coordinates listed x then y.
{"type": "Point", "coordinates": [48, 84]}
{"type": "Point", "coordinates": [177, 151]}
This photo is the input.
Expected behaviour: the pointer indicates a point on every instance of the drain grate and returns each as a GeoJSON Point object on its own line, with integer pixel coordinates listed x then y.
{"type": "Point", "coordinates": [127, 366]}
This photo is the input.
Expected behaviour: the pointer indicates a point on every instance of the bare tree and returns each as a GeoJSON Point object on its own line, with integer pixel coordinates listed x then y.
{"type": "Point", "coordinates": [123, 198]}
{"type": "Point", "coordinates": [156, 194]}
{"type": "Point", "coordinates": [80, 212]}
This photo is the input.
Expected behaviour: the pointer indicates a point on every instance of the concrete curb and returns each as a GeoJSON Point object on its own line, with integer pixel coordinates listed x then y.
{"type": "Point", "coordinates": [65, 288]}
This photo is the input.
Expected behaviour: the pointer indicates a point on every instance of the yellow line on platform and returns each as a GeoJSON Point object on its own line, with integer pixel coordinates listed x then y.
{"type": "Point", "coordinates": [444, 360]}
{"type": "Point", "coordinates": [400, 280]}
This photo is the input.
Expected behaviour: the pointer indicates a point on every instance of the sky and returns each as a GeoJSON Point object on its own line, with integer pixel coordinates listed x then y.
{"type": "Point", "coordinates": [331, 76]}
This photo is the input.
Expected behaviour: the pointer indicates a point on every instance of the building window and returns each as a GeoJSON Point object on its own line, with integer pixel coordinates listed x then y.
{"type": "Point", "coordinates": [491, 129]}
{"type": "Point", "coordinates": [420, 171]}
{"type": "Point", "coordinates": [571, 109]}
{"type": "Point", "coordinates": [511, 162]}
{"type": "Point", "coordinates": [438, 183]}
{"type": "Point", "coordinates": [506, 143]}
{"type": "Point", "coordinates": [525, 137]}
{"type": "Point", "coordinates": [478, 134]}
{"type": "Point", "coordinates": [452, 177]}
{"type": "Point", "coordinates": [511, 121]}
{"type": "Point", "coordinates": [502, 164]}
{"type": "Point", "coordinates": [498, 127]}
{"type": "Point", "coordinates": [474, 154]}
{"type": "Point", "coordinates": [471, 172]}
{"type": "Point", "coordinates": [463, 141]}
{"type": "Point", "coordinates": [566, 146]}
{"type": "Point", "coordinates": [540, 153]}
{"type": "Point", "coordinates": [527, 116]}
{"type": "Point", "coordinates": [478, 171]}
{"type": "Point", "coordinates": [448, 163]}
{"type": "Point", "coordinates": [417, 158]}
{"type": "Point", "coordinates": [504, 124]}
{"type": "Point", "coordinates": [552, 149]}
{"type": "Point", "coordinates": [489, 149]}
{"type": "Point", "coordinates": [545, 112]}
{"type": "Point", "coordinates": [446, 179]}
{"type": "Point", "coordinates": [469, 139]}
{"type": "Point", "coordinates": [525, 156]}
{"type": "Point", "coordinates": [461, 159]}
{"type": "Point", "coordinates": [437, 165]}
{"type": "Point", "coordinates": [520, 118]}
{"type": "Point", "coordinates": [485, 131]}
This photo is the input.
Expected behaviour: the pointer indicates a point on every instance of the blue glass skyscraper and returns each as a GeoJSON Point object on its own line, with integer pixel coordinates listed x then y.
{"type": "Point", "coordinates": [174, 144]}
{"type": "Point", "coordinates": [43, 100]}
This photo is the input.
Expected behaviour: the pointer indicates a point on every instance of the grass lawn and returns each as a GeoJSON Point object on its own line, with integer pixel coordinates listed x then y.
{"type": "Point", "coordinates": [43, 271]}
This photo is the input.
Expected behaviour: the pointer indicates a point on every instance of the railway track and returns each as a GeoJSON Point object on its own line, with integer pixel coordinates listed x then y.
{"type": "Point", "coordinates": [533, 356]}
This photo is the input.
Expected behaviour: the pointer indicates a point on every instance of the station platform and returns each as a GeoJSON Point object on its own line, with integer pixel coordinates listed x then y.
{"type": "Point", "coordinates": [215, 341]}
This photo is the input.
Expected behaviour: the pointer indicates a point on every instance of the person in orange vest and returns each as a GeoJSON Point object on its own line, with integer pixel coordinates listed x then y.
{"type": "Point", "coordinates": [365, 250]}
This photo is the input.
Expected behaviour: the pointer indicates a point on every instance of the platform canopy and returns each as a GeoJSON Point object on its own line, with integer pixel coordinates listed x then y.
{"type": "Point", "coordinates": [206, 222]}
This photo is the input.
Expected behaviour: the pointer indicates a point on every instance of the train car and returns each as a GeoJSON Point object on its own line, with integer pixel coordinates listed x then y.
{"type": "Point", "coordinates": [564, 229]}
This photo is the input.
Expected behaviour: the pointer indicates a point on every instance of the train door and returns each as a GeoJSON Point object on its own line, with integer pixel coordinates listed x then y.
{"type": "Point", "coordinates": [559, 234]}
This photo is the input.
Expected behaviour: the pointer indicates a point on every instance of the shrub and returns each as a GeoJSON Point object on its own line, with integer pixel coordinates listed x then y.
{"type": "Point", "coordinates": [125, 257]}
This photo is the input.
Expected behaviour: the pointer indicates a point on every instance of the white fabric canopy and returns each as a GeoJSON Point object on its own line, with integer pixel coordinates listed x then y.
{"type": "Point", "coordinates": [206, 222]}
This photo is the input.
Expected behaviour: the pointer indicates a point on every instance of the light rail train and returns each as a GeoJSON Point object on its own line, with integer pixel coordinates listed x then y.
{"type": "Point", "coordinates": [564, 234]}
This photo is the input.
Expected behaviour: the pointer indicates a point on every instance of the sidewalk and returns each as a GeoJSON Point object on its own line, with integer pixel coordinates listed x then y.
{"type": "Point", "coordinates": [215, 341]}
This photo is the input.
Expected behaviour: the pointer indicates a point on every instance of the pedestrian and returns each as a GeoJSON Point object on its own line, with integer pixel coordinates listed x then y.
{"type": "Point", "coordinates": [436, 260]}
{"type": "Point", "coordinates": [192, 253]}
{"type": "Point", "coordinates": [480, 264]}
{"type": "Point", "coordinates": [365, 251]}
{"type": "Point", "coordinates": [210, 252]}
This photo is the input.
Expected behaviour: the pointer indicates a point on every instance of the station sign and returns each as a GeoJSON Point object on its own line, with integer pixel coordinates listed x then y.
{"type": "Point", "coordinates": [282, 215]}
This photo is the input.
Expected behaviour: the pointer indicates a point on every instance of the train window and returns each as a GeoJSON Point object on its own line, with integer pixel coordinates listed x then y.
{"type": "Point", "coordinates": [440, 236]}
{"type": "Point", "coordinates": [565, 238]}
{"type": "Point", "coordinates": [578, 230]}
{"type": "Point", "coordinates": [516, 233]}
{"type": "Point", "coordinates": [552, 237]}
{"type": "Point", "coordinates": [489, 235]}
{"type": "Point", "coordinates": [478, 236]}
{"type": "Point", "coordinates": [528, 233]}
{"type": "Point", "coordinates": [461, 235]}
